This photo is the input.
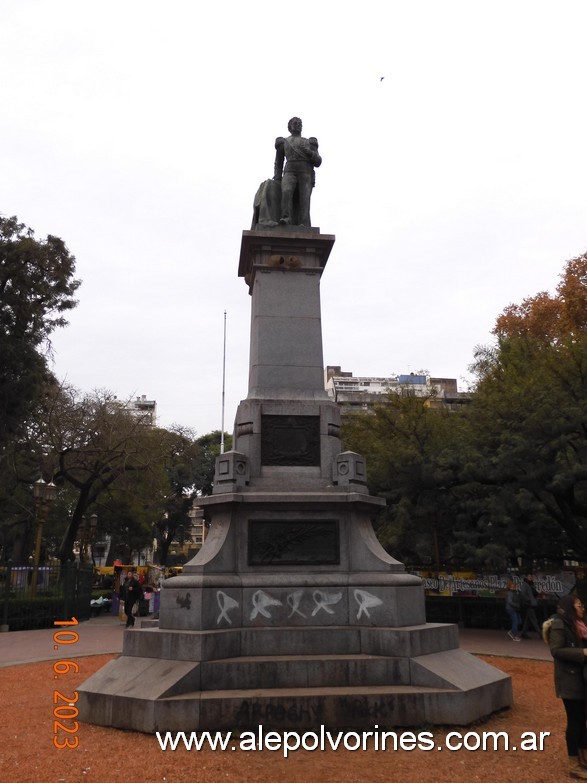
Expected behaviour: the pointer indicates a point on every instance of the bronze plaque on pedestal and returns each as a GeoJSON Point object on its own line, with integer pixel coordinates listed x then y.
{"type": "Point", "coordinates": [293, 542]}
{"type": "Point", "coordinates": [290, 440]}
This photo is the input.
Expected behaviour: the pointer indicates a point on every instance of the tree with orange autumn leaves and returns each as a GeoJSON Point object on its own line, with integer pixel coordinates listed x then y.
{"type": "Point", "coordinates": [530, 409]}
{"type": "Point", "coordinates": [505, 477]}
{"type": "Point", "coordinates": [553, 320]}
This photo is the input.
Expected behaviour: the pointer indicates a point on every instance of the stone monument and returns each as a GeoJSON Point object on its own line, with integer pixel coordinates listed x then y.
{"type": "Point", "coordinates": [291, 615]}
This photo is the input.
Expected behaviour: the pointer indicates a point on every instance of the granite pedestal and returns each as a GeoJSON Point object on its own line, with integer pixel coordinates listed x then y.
{"type": "Point", "coordinates": [292, 615]}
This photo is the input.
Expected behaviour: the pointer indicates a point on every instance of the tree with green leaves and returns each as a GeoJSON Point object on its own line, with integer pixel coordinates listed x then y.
{"type": "Point", "coordinates": [531, 406]}
{"type": "Point", "coordinates": [506, 478]}
{"type": "Point", "coordinates": [412, 450]}
{"type": "Point", "coordinates": [37, 286]}
{"type": "Point", "coordinates": [209, 445]}
{"type": "Point", "coordinates": [129, 511]}
{"type": "Point", "coordinates": [140, 480]}
{"type": "Point", "coordinates": [191, 475]}
{"type": "Point", "coordinates": [91, 443]}
{"type": "Point", "coordinates": [181, 469]}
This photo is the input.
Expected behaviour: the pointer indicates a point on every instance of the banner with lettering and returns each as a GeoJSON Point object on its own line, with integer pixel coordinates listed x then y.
{"type": "Point", "coordinates": [470, 584]}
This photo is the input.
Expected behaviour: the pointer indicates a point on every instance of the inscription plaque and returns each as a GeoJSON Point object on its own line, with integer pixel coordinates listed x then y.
{"type": "Point", "coordinates": [290, 440]}
{"type": "Point", "coordinates": [293, 542]}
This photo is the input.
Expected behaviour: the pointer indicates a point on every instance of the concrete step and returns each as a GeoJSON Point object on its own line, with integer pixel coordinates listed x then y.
{"type": "Point", "coordinates": [303, 671]}
{"type": "Point", "coordinates": [157, 694]}
{"type": "Point", "coordinates": [212, 645]}
{"type": "Point", "coordinates": [268, 693]}
{"type": "Point", "coordinates": [302, 709]}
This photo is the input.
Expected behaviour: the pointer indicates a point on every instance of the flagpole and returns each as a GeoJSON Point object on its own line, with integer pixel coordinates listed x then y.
{"type": "Point", "coordinates": [223, 386]}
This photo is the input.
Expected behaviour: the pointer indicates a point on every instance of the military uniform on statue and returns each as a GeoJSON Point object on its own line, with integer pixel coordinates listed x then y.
{"type": "Point", "coordinates": [298, 178]}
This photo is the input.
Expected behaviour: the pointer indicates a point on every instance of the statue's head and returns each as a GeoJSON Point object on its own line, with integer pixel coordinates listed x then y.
{"type": "Point", "coordinates": [294, 125]}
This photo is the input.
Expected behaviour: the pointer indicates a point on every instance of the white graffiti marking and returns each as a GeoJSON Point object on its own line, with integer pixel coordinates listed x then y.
{"type": "Point", "coordinates": [225, 604]}
{"type": "Point", "coordinates": [294, 600]}
{"type": "Point", "coordinates": [325, 601]}
{"type": "Point", "coordinates": [366, 601]}
{"type": "Point", "coordinates": [261, 601]}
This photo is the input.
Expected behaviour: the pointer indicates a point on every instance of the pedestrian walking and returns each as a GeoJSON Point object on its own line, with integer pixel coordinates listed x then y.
{"type": "Point", "coordinates": [131, 593]}
{"type": "Point", "coordinates": [513, 604]}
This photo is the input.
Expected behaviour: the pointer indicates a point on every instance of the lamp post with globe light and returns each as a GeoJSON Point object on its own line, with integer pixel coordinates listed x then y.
{"type": "Point", "coordinates": [43, 494]}
{"type": "Point", "coordinates": [92, 532]}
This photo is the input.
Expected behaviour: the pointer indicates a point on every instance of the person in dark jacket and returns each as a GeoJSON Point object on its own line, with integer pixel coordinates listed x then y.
{"type": "Point", "coordinates": [529, 605]}
{"type": "Point", "coordinates": [131, 593]}
{"type": "Point", "coordinates": [567, 638]}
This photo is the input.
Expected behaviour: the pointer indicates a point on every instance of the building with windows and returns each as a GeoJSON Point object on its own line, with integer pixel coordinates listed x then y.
{"type": "Point", "coordinates": [144, 408]}
{"type": "Point", "coordinates": [182, 553]}
{"type": "Point", "coordinates": [360, 393]}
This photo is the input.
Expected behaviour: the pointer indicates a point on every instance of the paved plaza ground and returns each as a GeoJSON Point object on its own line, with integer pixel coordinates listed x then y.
{"type": "Point", "coordinates": [104, 755]}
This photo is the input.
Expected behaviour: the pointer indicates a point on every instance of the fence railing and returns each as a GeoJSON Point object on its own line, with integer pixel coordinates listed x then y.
{"type": "Point", "coordinates": [65, 591]}
{"type": "Point", "coordinates": [61, 592]}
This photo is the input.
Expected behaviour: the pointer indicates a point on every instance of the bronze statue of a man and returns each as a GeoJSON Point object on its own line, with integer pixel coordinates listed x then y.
{"type": "Point", "coordinates": [297, 179]}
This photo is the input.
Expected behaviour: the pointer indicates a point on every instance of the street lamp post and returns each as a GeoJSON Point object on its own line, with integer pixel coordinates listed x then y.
{"type": "Point", "coordinates": [82, 539]}
{"type": "Point", "coordinates": [7, 569]}
{"type": "Point", "coordinates": [93, 527]}
{"type": "Point", "coordinates": [43, 494]}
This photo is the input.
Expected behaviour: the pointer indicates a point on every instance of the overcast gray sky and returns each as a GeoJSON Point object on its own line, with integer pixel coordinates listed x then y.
{"type": "Point", "coordinates": [139, 132]}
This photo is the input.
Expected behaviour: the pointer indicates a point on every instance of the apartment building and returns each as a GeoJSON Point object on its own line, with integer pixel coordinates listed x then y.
{"type": "Point", "coordinates": [360, 393]}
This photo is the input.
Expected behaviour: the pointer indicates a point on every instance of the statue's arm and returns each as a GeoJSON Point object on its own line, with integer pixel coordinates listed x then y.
{"type": "Point", "coordinates": [279, 158]}
{"type": "Point", "coordinates": [315, 158]}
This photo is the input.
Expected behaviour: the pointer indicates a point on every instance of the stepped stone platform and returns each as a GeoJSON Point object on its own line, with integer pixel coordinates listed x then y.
{"type": "Point", "coordinates": [291, 615]}
{"type": "Point", "coordinates": [293, 678]}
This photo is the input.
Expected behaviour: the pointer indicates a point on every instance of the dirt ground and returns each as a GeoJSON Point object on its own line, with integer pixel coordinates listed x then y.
{"type": "Point", "coordinates": [28, 755]}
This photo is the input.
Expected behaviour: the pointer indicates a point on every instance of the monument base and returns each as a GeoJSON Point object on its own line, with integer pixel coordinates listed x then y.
{"type": "Point", "coordinates": [340, 677]}
{"type": "Point", "coordinates": [292, 615]}
{"type": "Point", "coordinates": [245, 641]}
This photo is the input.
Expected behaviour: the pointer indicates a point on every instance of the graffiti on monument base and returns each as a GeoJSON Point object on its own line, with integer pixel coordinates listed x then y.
{"type": "Point", "coordinates": [303, 603]}
{"type": "Point", "coordinates": [225, 604]}
{"type": "Point", "coordinates": [258, 713]}
{"type": "Point", "coordinates": [184, 601]}
{"type": "Point", "coordinates": [362, 707]}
